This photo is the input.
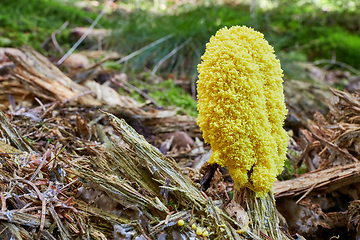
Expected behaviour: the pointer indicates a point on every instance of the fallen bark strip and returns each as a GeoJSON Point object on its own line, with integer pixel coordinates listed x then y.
{"type": "Point", "coordinates": [18, 217]}
{"type": "Point", "coordinates": [326, 181]}
{"type": "Point", "coordinates": [44, 79]}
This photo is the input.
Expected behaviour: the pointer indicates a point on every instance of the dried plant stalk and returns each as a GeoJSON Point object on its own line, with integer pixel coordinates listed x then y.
{"type": "Point", "coordinates": [13, 135]}
{"type": "Point", "coordinates": [263, 215]}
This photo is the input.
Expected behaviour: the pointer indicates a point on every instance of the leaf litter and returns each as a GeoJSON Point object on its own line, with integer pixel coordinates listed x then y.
{"type": "Point", "coordinates": [77, 163]}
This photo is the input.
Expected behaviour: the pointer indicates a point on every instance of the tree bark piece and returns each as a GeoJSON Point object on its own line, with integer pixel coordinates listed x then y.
{"type": "Point", "coordinates": [44, 79]}
{"type": "Point", "coordinates": [326, 181]}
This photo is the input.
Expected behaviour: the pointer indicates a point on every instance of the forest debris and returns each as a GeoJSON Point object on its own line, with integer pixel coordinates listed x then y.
{"type": "Point", "coordinates": [76, 61]}
{"type": "Point", "coordinates": [15, 88]}
{"type": "Point", "coordinates": [109, 96]}
{"type": "Point", "coordinates": [180, 139]}
{"type": "Point", "coordinates": [161, 123]}
{"type": "Point", "coordinates": [338, 219]}
{"type": "Point", "coordinates": [41, 78]}
{"type": "Point", "coordinates": [155, 164]}
{"type": "Point", "coordinates": [326, 181]}
{"type": "Point", "coordinates": [12, 135]}
{"type": "Point", "coordinates": [305, 218]}
{"type": "Point", "coordinates": [305, 97]}
{"type": "Point", "coordinates": [158, 121]}
{"type": "Point", "coordinates": [21, 218]}
{"type": "Point", "coordinates": [336, 148]}
{"type": "Point", "coordinates": [354, 216]}
{"type": "Point", "coordinates": [90, 71]}
{"type": "Point", "coordinates": [237, 212]}
{"type": "Point", "coordinates": [95, 34]}
{"type": "Point", "coordinates": [127, 178]}
{"type": "Point", "coordinates": [333, 140]}
{"type": "Point", "coordinates": [139, 162]}
{"type": "Point", "coordinates": [44, 79]}
{"type": "Point", "coordinates": [346, 106]}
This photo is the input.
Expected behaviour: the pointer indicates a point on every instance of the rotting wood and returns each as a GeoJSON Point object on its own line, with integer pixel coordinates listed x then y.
{"type": "Point", "coordinates": [327, 180]}
{"type": "Point", "coordinates": [25, 219]}
{"type": "Point", "coordinates": [44, 79]}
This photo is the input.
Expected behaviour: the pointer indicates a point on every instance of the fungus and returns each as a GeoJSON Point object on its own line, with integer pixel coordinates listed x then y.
{"type": "Point", "coordinates": [181, 223]}
{"type": "Point", "coordinates": [199, 231]}
{"type": "Point", "coordinates": [241, 107]}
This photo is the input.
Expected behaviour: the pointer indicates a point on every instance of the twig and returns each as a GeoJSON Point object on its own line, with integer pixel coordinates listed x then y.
{"type": "Point", "coordinates": [56, 155]}
{"type": "Point", "coordinates": [77, 96]}
{"type": "Point", "coordinates": [307, 192]}
{"type": "Point", "coordinates": [334, 146]}
{"type": "Point", "coordinates": [169, 55]}
{"type": "Point", "coordinates": [53, 37]}
{"type": "Point", "coordinates": [124, 59]}
{"type": "Point", "coordinates": [79, 223]}
{"type": "Point", "coordinates": [41, 197]}
{"type": "Point", "coordinates": [341, 64]}
{"type": "Point", "coordinates": [49, 109]}
{"type": "Point", "coordinates": [120, 84]}
{"type": "Point", "coordinates": [44, 158]}
{"type": "Point", "coordinates": [41, 104]}
{"type": "Point", "coordinates": [67, 185]}
{"type": "Point", "coordinates": [3, 202]}
{"type": "Point", "coordinates": [63, 231]}
{"type": "Point", "coordinates": [4, 229]}
{"type": "Point", "coordinates": [144, 95]}
{"type": "Point", "coordinates": [168, 217]}
{"type": "Point", "coordinates": [265, 236]}
{"type": "Point", "coordinates": [25, 210]}
{"type": "Point", "coordinates": [85, 34]}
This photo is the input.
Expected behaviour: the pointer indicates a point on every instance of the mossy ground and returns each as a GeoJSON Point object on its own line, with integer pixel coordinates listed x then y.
{"type": "Point", "coordinates": [167, 94]}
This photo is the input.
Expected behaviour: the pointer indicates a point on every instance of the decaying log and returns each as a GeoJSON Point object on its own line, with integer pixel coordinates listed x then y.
{"type": "Point", "coordinates": [324, 181]}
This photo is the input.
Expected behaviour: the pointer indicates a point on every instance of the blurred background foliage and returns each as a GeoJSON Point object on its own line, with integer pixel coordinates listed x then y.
{"type": "Point", "coordinates": [305, 30]}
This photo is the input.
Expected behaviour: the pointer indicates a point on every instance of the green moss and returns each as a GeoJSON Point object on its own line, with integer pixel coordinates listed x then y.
{"type": "Point", "coordinates": [167, 94]}
{"type": "Point", "coordinates": [30, 22]}
{"type": "Point", "coordinates": [113, 65]}
{"type": "Point", "coordinates": [289, 170]}
{"type": "Point", "coordinates": [175, 96]}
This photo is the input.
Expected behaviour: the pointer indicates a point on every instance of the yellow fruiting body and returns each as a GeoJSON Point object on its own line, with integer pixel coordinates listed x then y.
{"type": "Point", "coordinates": [205, 233]}
{"type": "Point", "coordinates": [241, 107]}
{"type": "Point", "coordinates": [199, 231]}
{"type": "Point", "coordinates": [181, 223]}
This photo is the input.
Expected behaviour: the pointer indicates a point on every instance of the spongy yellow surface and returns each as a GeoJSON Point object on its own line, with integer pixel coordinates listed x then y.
{"type": "Point", "coordinates": [241, 107]}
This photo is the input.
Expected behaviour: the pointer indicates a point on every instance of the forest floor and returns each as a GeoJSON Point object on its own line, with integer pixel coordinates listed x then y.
{"type": "Point", "coordinates": [91, 150]}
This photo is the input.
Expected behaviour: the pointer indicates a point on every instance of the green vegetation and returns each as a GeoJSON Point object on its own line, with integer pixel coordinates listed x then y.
{"type": "Point", "coordinates": [290, 170]}
{"type": "Point", "coordinates": [143, 27]}
{"type": "Point", "coordinates": [175, 96]}
{"type": "Point", "coordinates": [167, 94]}
{"type": "Point", "coordinates": [303, 27]}
{"type": "Point", "coordinates": [292, 28]}
{"type": "Point", "coordinates": [30, 22]}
